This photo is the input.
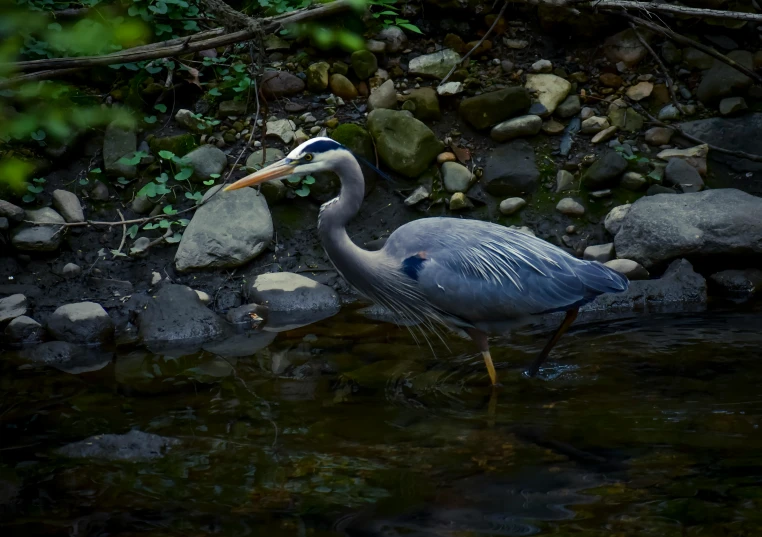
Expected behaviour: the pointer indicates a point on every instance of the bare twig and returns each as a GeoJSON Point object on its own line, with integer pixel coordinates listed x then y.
{"type": "Point", "coordinates": [124, 234]}
{"type": "Point", "coordinates": [478, 44]}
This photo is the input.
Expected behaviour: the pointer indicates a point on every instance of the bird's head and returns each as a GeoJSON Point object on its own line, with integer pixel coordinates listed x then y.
{"type": "Point", "coordinates": [316, 155]}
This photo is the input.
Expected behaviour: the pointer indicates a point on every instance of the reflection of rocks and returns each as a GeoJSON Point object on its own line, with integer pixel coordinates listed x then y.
{"type": "Point", "coordinates": [241, 344]}
{"type": "Point", "coordinates": [133, 446]}
{"type": "Point", "coordinates": [69, 358]}
{"type": "Point", "coordinates": [739, 285]}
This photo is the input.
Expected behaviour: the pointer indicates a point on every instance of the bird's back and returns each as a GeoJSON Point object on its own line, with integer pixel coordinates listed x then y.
{"type": "Point", "coordinates": [480, 272]}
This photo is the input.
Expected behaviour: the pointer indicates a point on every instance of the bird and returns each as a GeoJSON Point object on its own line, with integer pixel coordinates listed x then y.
{"type": "Point", "coordinates": [477, 277]}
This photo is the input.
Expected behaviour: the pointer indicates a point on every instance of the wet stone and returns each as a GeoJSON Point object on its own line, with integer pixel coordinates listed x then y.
{"type": "Point", "coordinates": [517, 127]}
{"type": "Point", "coordinates": [600, 252]}
{"type": "Point", "coordinates": [511, 170]}
{"type": "Point", "coordinates": [551, 89]}
{"type": "Point", "coordinates": [435, 65]}
{"type": "Point", "coordinates": [67, 357]}
{"type": "Point", "coordinates": [133, 446]}
{"type": "Point", "coordinates": [13, 306]}
{"type": "Point", "coordinates": [564, 180]}
{"type": "Point", "coordinates": [456, 177]}
{"type": "Point", "coordinates": [732, 105]}
{"type": "Point", "coordinates": [81, 322]}
{"type": "Point", "coordinates": [511, 205]}
{"type": "Point", "coordinates": [11, 211]}
{"type": "Point", "coordinates": [738, 284]}
{"type": "Point", "coordinates": [39, 238]}
{"type": "Point", "coordinates": [633, 181]}
{"type": "Point", "coordinates": [24, 329]}
{"type": "Point", "coordinates": [605, 170]}
{"type": "Point", "coordinates": [570, 106]}
{"type": "Point", "coordinates": [615, 217]}
{"type": "Point", "coordinates": [570, 207]}
{"type": "Point", "coordinates": [631, 269]}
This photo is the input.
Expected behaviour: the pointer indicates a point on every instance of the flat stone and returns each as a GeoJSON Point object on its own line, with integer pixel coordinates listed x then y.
{"type": "Point", "coordinates": [12, 306]}
{"type": "Point", "coordinates": [570, 207]}
{"type": "Point", "coordinates": [594, 125]}
{"type": "Point", "coordinates": [695, 156]}
{"type": "Point", "coordinates": [68, 205]}
{"type": "Point", "coordinates": [570, 107]}
{"type": "Point", "coordinates": [551, 89]}
{"type": "Point", "coordinates": [511, 170]}
{"type": "Point", "coordinates": [599, 252]}
{"type": "Point", "coordinates": [456, 177]}
{"type": "Point", "coordinates": [605, 135]}
{"type": "Point", "coordinates": [23, 329]}
{"type": "Point", "coordinates": [81, 322]}
{"type": "Point", "coordinates": [658, 136]}
{"type": "Point", "coordinates": [553, 127]}
{"type": "Point", "coordinates": [631, 269]}
{"type": "Point", "coordinates": [732, 105]}
{"type": "Point", "coordinates": [682, 175]}
{"type": "Point", "coordinates": [740, 133]}
{"type": "Point", "coordinates": [517, 127]}
{"type": "Point", "coordinates": [419, 194]}
{"type": "Point", "coordinates": [133, 446]}
{"type": "Point", "coordinates": [615, 217]}
{"type": "Point", "coordinates": [450, 88]}
{"type": "Point", "coordinates": [633, 181]}
{"type": "Point", "coordinates": [435, 65]}
{"type": "Point", "coordinates": [511, 205]}
{"type": "Point", "coordinates": [493, 107]}
{"type": "Point", "coordinates": [119, 142]}
{"type": "Point", "coordinates": [277, 84]}
{"type": "Point", "coordinates": [564, 181]}
{"type": "Point", "coordinates": [39, 238]}
{"type": "Point", "coordinates": [640, 91]}
{"type": "Point", "coordinates": [738, 285]}
{"type": "Point", "coordinates": [11, 212]}
{"type": "Point", "coordinates": [604, 171]}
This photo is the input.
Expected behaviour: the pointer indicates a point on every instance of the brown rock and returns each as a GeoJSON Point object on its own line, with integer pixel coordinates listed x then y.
{"type": "Point", "coordinates": [553, 127]}
{"type": "Point", "coordinates": [640, 91]}
{"type": "Point", "coordinates": [455, 42]}
{"type": "Point", "coordinates": [626, 47]}
{"type": "Point", "coordinates": [659, 95]}
{"type": "Point", "coordinates": [342, 86]}
{"type": "Point", "coordinates": [446, 157]}
{"type": "Point", "coordinates": [658, 135]}
{"type": "Point", "coordinates": [281, 84]}
{"type": "Point", "coordinates": [611, 80]}
{"type": "Point", "coordinates": [484, 47]}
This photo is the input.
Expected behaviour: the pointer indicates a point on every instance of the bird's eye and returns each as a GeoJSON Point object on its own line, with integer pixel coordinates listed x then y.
{"type": "Point", "coordinates": [308, 157]}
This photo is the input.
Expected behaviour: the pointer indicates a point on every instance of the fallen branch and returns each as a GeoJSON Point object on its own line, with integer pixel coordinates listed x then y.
{"type": "Point", "coordinates": [124, 233]}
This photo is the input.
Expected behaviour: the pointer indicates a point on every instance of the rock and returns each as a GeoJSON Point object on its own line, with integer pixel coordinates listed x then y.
{"type": "Point", "coordinates": [277, 84]}
{"type": "Point", "coordinates": [142, 205]}
{"type": "Point", "coordinates": [364, 64]}
{"type": "Point", "coordinates": [655, 189]}
{"type": "Point", "coordinates": [738, 284]}
{"type": "Point", "coordinates": [405, 144]}
{"type": "Point", "coordinates": [551, 89]}
{"type": "Point", "coordinates": [274, 42]}
{"type": "Point", "coordinates": [740, 133]}
{"type": "Point", "coordinates": [696, 59]}
{"type": "Point", "coordinates": [71, 270]}
{"type": "Point", "coordinates": [282, 129]}
{"type": "Point", "coordinates": [130, 447]}
{"type": "Point", "coordinates": [671, 54]}
{"type": "Point", "coordinates": [459, 201]}
{"type": "Point", "coordinates": [228, 231]}
{"type": "Point", "coordinates": [611, 80]}
{"type": "Point", "coordinates": [192, 122]}
{"type": "Point", "coordinates": [613, 220]}
{"type": "Point", "coordinates": [491, 108]}
{"type": "Point", "coordinates": [722, 80]}
{"type": "Point", "coordinates": [570, 207]}
{"type": "Point", "coordinates": [625, 47]}
{"type": "Point", "coordinates": [506, 66]}
{"type": "Point", "coordinates": [67, 204]}
{"type": "Point", "coordinates": [426, 104]}
{"type": "Point", "coordinates": [624, 117]}
{"type": "Point", "coordinates": [517, 127]}
{"type": "Point", "coordinates": [553, 127]}
{"type": "Point", "coordinates": [317, 76]}
{"type": "Point", "coordinates": [669, 113]}
{"type": "Point", "coordinates": [394, 38]}
{"type": "Point", "coordinates": [23, 329]}
{"type": "Point", "coordinates": [99, 192]}
{"type": "Point", "coordinates": [119, 142]}
{"type": "Point", "coordinates": [605, 135]}
{"type": "Point", "coordinates": [342, 87]}
{"type": "Point", "coordinates": [418, 195]}
{"type": "Point", "coordinates": [175, 315]}
{"type": "Point", "coordinates": [231, 108]}
{"type": "Point", "coordinates": [206, 161]}
{"type": "Point", "coordinates": [12, 306]}
{"type": "Point", "coordinates": [450, 88]}
{"type": "Point", "coordinates": [516, 44]}
{"type": "Point", "coordinates": [594, 125]}
{"type": "Point", "coordinates": [39, 238]}
{"type": "Point", "coordinates": [564, 181]}
{"type": "Point", "coordinates": [511, 205]}
{"type": "Point", "coordinates": [732, 105]}
{"type": "Point", "coordinates": [81, 322]}
{"type": "Point", "coordinates": [11, 211]}
{"type": "Point", "coordinates": [631, 269]}
{"type": "Point", "coordinates": [180, 145]}
{"type": "Point", "coordinates": [695, 156]}
{"type": "Point", "coordinates": [511, 170]}
{"type": "Point", "coordinates": [682, 175]}
{"type": "Point", "coordinates": [4, 224]}
{"type": "Point", "coordinates": [640, 91]}
{"type": "Point", "coordinates": [376, 47]}
{"type": "Point", "coordinates": [293, 299]}
{"type": "Point", "coordinates": [600, 252]}
{"type": "Point", "coordinates": [542, 66]}
{"type": "Point", "coordinates": [446, 157]}
{"type": "Point", "coordinates": [67, 357]}
{"type": "Point", "coordinates": [721, 223]}
{"type": "Point", "coordinates": [435, 65]}
{"type": "Point", "coordinates": [570, 107]}
{"type": "Point", "coordinates": [456, 177]}
{"type": "Point", "coordinates": [633, 181]}
{"type": "Point", "coordinates": [604, 171]}
{"type": "Point", "coordinates": [384, 96]}
{"type": "Point", "coordinates": [658, 136]}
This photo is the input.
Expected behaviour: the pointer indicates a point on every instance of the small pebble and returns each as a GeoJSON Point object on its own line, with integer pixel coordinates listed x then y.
{"type": "Point", "coordinates": [570, 207]}
{"type": "Point", "coordinates": [511, 205]}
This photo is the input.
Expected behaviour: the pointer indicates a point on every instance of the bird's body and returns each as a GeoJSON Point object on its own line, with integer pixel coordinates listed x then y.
{"type": "Point", "coordinates": [478, 276]}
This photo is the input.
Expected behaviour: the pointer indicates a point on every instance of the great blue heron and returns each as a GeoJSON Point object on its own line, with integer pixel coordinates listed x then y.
{"type": "Point", "coordinates": [477, 276]}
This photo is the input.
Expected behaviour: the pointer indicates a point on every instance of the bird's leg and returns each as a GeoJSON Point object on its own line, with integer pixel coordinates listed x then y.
{"type": "Point", "coordinates": [481, 340]}
{"type": "Point", "coordinates": [571, 315]}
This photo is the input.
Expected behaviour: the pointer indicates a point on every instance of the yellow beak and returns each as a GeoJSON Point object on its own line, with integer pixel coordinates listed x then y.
{"type": "Point", "coordinates": [276, 170]}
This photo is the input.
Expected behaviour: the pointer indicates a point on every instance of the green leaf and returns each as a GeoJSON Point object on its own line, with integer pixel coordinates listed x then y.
{"type": "Point", "coordinates": [35, 189]}
{"type": "Point", "coordinates": [293, 179]}
{"type": "Point", "coordinates": [174, 238]}
{"type": "Point", "coordinates": [149, 226]}
{"type": "Point", "coordinates": [183, 222]}
{"type": "Point", "coordinates": [304, 191]}
{"type": "Point", "coordinates": [161, 107]}
{"type": "Point", "coordinates": [29, 198]}
{"type": "Point", "coordinates": [148, 190]}
{"type": "Point", "coordinates": [184, 174]}
{"type": "Point", "coordinates": [215, 92]}
{"type": "Point", "coordinates": [84, 181]}
{"type": "Point", "coordinates": [96, 170]}
{"type": "Point", "coordinates": [411, 27]}
{"type": "Point", "coordinates": [163, 178]}
{"type": "Point", "coordinates": [39, 180]}
{"type": "Point", "coordinates": [150, 119]}
{"type": "Point", "coordinates": [169, 210]}
{"type": "Point", "coordinates": [309, 180]}
{"type": "Point", "coordinates": [210, 182]}
{"type": "Point", "coordinates": [132, 231]}
{"type": "Point", "coordinates": [166, 154]}
{"type": "Point", "coordinates": [153, 69]}
{"type": "Point", "coordinates": [164, 224]}
{"type": "Point", "coordinates": [654, 175]}
{"type": "Point", "coordinates": [38, 135]}
{"type": "Point", "coordinates": [122, 181]}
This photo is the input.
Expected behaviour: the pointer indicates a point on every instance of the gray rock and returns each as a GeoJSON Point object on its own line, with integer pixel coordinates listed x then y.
{"type": "Point", "coordinates": [506, 66]}
{"type": "Point", "coordinates": [13, 306]}
{"type": "Point", "coordinates": [542, 66]}
{"type": "Point", "coordinates": [419, 194]}
{"type": "Point", "coordinates": [206, 161]}
{"type": "Point", "coordinates": [605, 135]}
{"type": "Point", "coordinates": [81, 322]}
{"type": "Point", "coordinates": [364, 64]}
{"type": "Point", "coordinates": [511, 170]}
{"type": "Point", "coordinates": [721, 223]}
{"type": "Point", "coordinates": [669, 113]}
{"type": "Point", "coordinates": [456, 177]}
{"type": "Point", "coordinates": [679, 289]}
{"type": "Point", "coordinates": [491, 108]}
{"type": "Point", "coordinates": [188, 120]}
{"type": "Point", "coordinates": [376, 47]}
{"type": "Point", "coordinates": [24, 329]}
{"type": "Point", "coordinates": [282, 129]}
{"type": "Point", "coordinates": [4, 224]}
{"type": "Point", "coordinates": [231, 108]}
{"type": "Point", "coordinates": [633, 181]}
{"type": "Point", "coordinates": [11, 211]}
{"type": "Point", "coordinates": [564, 180]}
{"type": "Point", "coordinates": [67, 357]}
{"type": "Point", "coordinates": [738, 285]}
{"type": "Point", "coordinates": [600, 252]}
{"type": "Point", "coordinates": [517, 127]}
{"type": "Point", "coordinates": [658, 136]}
{"type": "Point", "coordinates": [551, 89]}
{"type": "Point", "coordinates": [594, 125]}
{"type": "Point", "coordinates": [604, 171]}
{"type": "Point", "coordinates": [654, 190]}
{"type": "Point", "coordinates": [570, 107]}
{"type": "Point", "coordinates": [511, 205]}
{"type": "Point", "coordinates": [459, 201]}
{"type": "Point", "coordinates": [119, 142]}
{"type": "Point", "coordinates": [130, 447]}
{"type": "Point", "coordinates": [732, 105]}
{"type": "Point", "coordinates": [722, 80]}
{"type": "Point", "coordinates": [175, 316]}
{"type": "Point", "coordinates": [277, 84]}
{"type": "Point", "coordinates": [613, 220]}
{"type": "Point", "coordinates": [142, 205]}
{"type": "Point", "coordinates": [394, 38]}
{"type": "Point", "coordinates": [631, 269]}
{"type": "Point", "coordinates": [68, 205]}
{"type": "Point", "coordinates": [255, 162]}
{"type": "Point", "coordinates": [435, 65]}
{"type": "Point", "coordinates": [538, 109]}
{"type": "Point", "coordinates": [404, 143]}
{"type": "Point", "coordinates": [740, 133]}
{"type": "Point", "coordinates": [99, 192]}
{"type": "Point", "coordinates": [570, 207]}
{"type": "Point", "coordinates": [228, 231]}
{"type": "Point", "coordinates": [384, 96]}
{"type": "Point", "coordinates": [71, 270]}
{"type": "Point", "coordinates": [682, 175]}
{"type": "Point", "coordinates": [39, 238]}
{"type": "Point", "coordinates": [696, 59]}
{"type": "Point", "coordinates": [671, 54]}
{"type": "Point", "coordinates": [625, 47]}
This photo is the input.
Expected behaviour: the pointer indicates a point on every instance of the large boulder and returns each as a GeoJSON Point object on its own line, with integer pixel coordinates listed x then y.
{"type": "Point", "coordinates": [119, 142]}
{"type": "Point", "coordinates": [39, 238]}
{"type": "Point", "coordinates": [81, 322]}
{"type": "Point", "coordinates": [130, 447]}
{"type": "Point", "coordinates": [24, 329]}
{"type": "Point", "coordinates": [228, 231]}
{"type": "Point", "coordinates": [491, 108]}
{"type": "Point", "coordinates": [435, 65]}
{"type": "Point", "coordinates": [722, 80]}
{"type": "Point", "coordinates": [176, 315]}
{"type": "Point", "coordinates": [721, 223]}
{"type": "Point", "coordinates": [404, 143]}
{"type": "Point", "coordinates": [511, 170]}
{"type": "Point", "coordinates": [740, 133]}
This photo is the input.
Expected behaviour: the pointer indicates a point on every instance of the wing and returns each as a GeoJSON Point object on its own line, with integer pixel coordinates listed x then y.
{"type": "Point", "coordinates": [479, 271]}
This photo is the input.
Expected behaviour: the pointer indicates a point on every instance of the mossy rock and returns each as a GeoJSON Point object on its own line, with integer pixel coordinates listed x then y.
{"type": "Point", "coordinates": [364, 64]}
{"type": "Point", "coordinates": [404, 143]}
{"type": "Point", "coordinates": [317, 76]}
{"type": "Point", "coordinates": [180, 145]}
{"type": "Point", "coordinates": [426, 104]}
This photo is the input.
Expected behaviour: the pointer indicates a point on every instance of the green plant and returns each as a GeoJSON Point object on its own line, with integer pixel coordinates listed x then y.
{"type": "Point", "coordinates": [303, 183]}
{"type": "Point", "coordinates": [34, 189]}
{"type": "Point", "coordinates": [390, 15]}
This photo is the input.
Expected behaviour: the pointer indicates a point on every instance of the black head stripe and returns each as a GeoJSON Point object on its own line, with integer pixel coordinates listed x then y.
{"type": "Point", "coordinates": [321, 146]}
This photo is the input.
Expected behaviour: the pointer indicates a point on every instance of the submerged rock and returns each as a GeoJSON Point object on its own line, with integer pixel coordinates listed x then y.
{"type": "Point", "coordinates": [81, 322]}
{"type": "Point", "coordinates": [130, 447]}
{"type": "Point", "coordinates": [738, 284]}
{"type": "Point", "coordinates": [228, 231]}
{"type": "Point", "coordinates": [404, 143]}
{"type": "Point", "coordinates": [719, 223]}
{"type": "Point", "coordinates": [67, 357]}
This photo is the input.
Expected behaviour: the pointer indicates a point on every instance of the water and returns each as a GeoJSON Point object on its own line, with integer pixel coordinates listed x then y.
{"type": "Point", "coordinates": [649, 426]}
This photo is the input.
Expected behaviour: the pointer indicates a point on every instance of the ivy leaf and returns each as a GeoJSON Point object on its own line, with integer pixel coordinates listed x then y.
{"type": "Point", "coordinates": [29, 198]}
{"type": "Point", "coordinates": [96, 170]}
{"type": "Point", "coordinates": [164, 224]}
{"type": "Point", "coordinates": [293, 179]}
{"type": "Point", "coordinates": [150, 119]}
{"type": "Point", "coordinates": [303, 192]}
{"type": "Point", "coordinates": [149, 226]}
{"type": "Point", "coordinates": [210, 182]}
{"type": "Point", "coordinates": [161, 107]}
{"type": "Point", "coordinates": [167, 155]}
{"type": "Point", "coordinates": [654, 175]}
{"type": "Point", "coordinates": [39, 180]}
{"type": "Point", "coordinates": [174, 238]}
{"type": "Point", "coordinates": [122, 181]}
{"type": "Point", "coordinates": [148, 191]}
{"type": "Point", "coordinates": [132, 231]}
{"type": "Point", "coordinates": [84, 181]}
{"type": "Point", "coordinates": [38, 135]}
{"type": "Point", "coordinates": [184, 174]}
{"type": "Point", "coordinates": [183, 222]}
{"type": "Point", "coordinates": [215, 92]}
{"type": "Point", "coordinates": [153, 69]}
{"type": "Point", "coordinates": [163, 178]}
{"type": "Point", "coordinates": [169, 210]}
{"type": "Point", "coordinates": [35, 189]}
{"type": "Point", "coordinates": [309, 180]}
